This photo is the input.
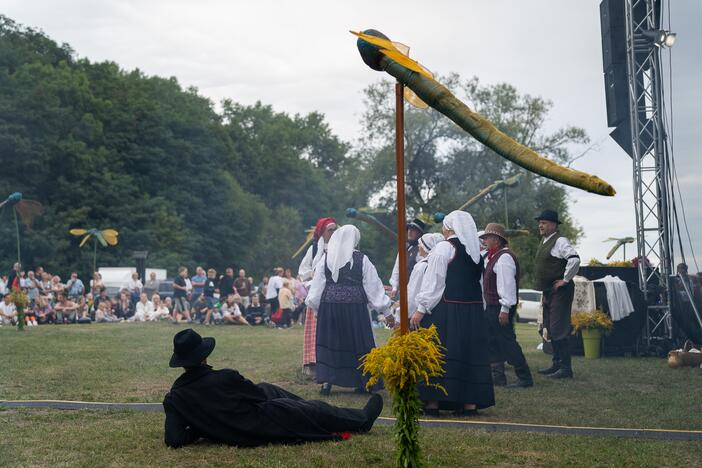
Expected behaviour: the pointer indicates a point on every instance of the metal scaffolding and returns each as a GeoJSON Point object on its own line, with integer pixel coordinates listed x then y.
{"type": "Point", "coordinates": [651, 166]}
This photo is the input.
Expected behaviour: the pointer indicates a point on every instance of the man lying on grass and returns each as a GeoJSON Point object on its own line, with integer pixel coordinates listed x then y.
{"type": "Point", "coordinates": [223, 406]}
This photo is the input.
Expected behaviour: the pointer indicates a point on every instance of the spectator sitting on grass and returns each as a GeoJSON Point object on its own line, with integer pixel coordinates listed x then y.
{"type": "Point", "coordinates": [103, 313]}
{"type": "Point", "coordinates": [231, 314]}
{"type": "Point", "coordinates": [160, 311]}
{"type": "Point", "coordinates": [75, 287]}
{"type": "Point", "coordinates": [33, 285]}
{"type": "Point", "coordinates": [144, 309]}
{"type": "Point", "coordinates": [43, 311]}
{"type": "Point", "coordinates": [102, 297]}
{"type": "Point", "coordinates": [254, 312]}
{"type": "Point", "coordinates": [124, 309]}
{"type": "Point", "coordinates": [168, 304]}
{"type": "Point", "coordinates": [8, 312]}
{"type": "Point", "coordinates": [57, 287]}
{"type": "Point", "coordinates": [202, 313]}
{"type": "Point", "coordinates": [66, 309]}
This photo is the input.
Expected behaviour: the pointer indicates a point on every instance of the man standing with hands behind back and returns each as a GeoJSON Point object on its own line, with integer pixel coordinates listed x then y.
{"type": "Point", "coordinates": [555, 265]}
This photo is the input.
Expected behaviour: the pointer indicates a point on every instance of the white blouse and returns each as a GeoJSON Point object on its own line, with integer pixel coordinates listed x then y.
{"type": "Point", "coordinates": [415, 283]}
{"type": "Point", "coordinates": [434, 281]}
{"type": "Point", "coordinates": [372, 285]}
{"type": "Point", "coordinates": [309, 263]}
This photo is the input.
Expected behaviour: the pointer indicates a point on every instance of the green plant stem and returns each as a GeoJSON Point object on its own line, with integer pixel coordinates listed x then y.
{"type": "Point", "coordinates": [20, 318]}
{"type": "Point", "coordinates": [406, 408]}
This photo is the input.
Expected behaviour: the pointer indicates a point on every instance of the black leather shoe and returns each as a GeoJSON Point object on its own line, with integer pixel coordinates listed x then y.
{"type": "Point", "coordinates": [373, 408]}
{"type": "Point", "coordinates": [521, 384]}
{"type": "Point", "coordinates": [466, 412]}
{"type": "Point", "coordinates": [561, 374]}
{"type": "Point", "coordinates": [326, 389]}
{"type": "Point", "coordinates": [551, 370]}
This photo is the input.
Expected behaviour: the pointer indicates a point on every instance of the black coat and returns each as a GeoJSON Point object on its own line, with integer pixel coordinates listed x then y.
{"type": "Point", "coordinates": [223, 406]}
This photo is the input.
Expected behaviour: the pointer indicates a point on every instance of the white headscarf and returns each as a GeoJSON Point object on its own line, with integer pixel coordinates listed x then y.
{"type": "Point", "coordinates": [340, 248]}
{"type": "Point", "coordinates": [463, 225]}
{"type": "Point", "coordinates": [429, 241]}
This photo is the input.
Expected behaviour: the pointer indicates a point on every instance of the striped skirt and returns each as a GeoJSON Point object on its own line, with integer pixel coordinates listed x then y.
{"type": "Point", "coordinates": [309, 354]}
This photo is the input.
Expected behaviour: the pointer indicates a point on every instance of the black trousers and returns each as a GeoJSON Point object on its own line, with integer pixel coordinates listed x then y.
{"type": "Point", "coordinates": [503, 344]}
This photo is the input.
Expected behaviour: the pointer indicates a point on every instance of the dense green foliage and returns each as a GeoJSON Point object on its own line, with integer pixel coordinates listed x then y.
{"type": "Point", "coordinates": [103, 147]}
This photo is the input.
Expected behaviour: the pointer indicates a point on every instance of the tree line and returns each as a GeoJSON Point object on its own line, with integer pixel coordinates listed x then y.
{"type": "Point", "coordinates": [100, 146]}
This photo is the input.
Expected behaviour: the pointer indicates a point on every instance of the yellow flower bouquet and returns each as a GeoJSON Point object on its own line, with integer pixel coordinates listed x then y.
{"type": "Point", "coordinates": [403, 362]}
{"type": "Point", "coordinates": [596, 319]}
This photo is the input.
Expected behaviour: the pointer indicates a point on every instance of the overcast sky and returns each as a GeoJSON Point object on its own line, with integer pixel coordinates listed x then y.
{"type": "Point", "coordinates": [299, 57]}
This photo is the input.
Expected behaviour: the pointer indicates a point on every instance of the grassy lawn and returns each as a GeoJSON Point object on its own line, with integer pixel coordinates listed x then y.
{"type": "Point", "coordinates": [128, 363]}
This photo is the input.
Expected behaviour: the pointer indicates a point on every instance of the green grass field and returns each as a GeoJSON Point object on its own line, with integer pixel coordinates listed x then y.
{"type": "Point", "coordinates": [128, 363]}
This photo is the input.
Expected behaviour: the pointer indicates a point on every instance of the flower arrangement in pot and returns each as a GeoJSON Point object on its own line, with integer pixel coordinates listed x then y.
{"type": "Point", "coordinates": [591, 326]}
{"type": "Point", "coordinates": [20, 300]}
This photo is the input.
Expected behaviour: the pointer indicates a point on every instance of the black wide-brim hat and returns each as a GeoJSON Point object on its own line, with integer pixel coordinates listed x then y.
{"type": "Point", "coordinates": [189, 348]}
{"type": "Point", "coordinates": [417, 224]}
{"type": "Point", "coordinates": [548, 215]}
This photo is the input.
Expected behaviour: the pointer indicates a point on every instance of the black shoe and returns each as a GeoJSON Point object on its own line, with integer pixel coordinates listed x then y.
{"type": "Point", "coordinates": [498, 374]}
{"type": "Point", "coordinates": [466, 412]}
{"type": "Point", "coordinates": [562, 373]}
{"type": "Point", "coordinates": [551, 370]}
{"type": "Point", "coordinates": [372, 409]}
{"type": "Point", "coordinates": [431, 412]}
{"type": "Point", "coordinates": [521, 384]}
{"type": "Point", "coordinates": [326, 389]}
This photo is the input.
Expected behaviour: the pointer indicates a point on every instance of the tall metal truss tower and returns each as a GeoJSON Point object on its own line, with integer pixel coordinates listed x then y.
{"type": "Point", "coordinates": [651, 164]}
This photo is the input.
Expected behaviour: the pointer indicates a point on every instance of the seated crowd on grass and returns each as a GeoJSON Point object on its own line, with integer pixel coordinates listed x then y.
{"type": "Point", "coordinates": [206, 298]}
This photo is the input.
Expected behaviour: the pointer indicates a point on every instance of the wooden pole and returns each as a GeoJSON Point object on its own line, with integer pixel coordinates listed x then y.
{"type": "Point", "coordinates": [401, 222]}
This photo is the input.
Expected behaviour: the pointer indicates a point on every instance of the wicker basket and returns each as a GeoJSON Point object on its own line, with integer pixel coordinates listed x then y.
{"type": "Point", "coordinates": [685, 358]}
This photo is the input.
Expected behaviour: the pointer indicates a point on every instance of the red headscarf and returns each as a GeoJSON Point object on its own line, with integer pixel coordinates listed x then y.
{"type": "Point", "coordinates": [321, 225]}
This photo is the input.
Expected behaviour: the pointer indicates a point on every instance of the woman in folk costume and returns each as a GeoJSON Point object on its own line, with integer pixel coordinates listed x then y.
{"type": "Point", "coordinates": [426, 244]}
{"type": "Point", "coordinates": [344, 285]}
{"type": "Point", "coordinates": [451, 299]}
{"type": "Point", "coordinates": [323, 231]}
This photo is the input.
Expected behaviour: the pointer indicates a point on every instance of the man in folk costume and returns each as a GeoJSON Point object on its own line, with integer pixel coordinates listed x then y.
{"type": "Point", "coordinates": [345, 283]}
{"type": "Point", "coordinates": [224, 407]}
{"type": "Point", "coordinates": [500, 287]}
{"type": "Point", "coordinates": [451, 298]}
{"type": "Point", "coordinates": [323, 231]}
{"type": "Point", "coordinates": [555, 265]}
{"type": "Point", "coordinates": [415, 229]}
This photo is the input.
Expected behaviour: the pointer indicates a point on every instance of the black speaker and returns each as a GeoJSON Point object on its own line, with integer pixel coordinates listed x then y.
{"type": "Point", "coordinates": [616, 94]}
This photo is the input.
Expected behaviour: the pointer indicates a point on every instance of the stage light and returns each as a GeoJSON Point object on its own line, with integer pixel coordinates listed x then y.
{"type": "Point", "coordinates": [669, 39]}
{"type": "Point", "coordinates": [660, 37]}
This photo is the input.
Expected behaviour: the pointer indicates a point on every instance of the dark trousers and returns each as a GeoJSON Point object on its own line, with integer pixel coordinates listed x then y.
{"type": "Point", "coordinates": [503, 344]}
{"type": "Point", "coordinates": [557, 305]}
{"type": "Point", "coordinates": [275, 305]}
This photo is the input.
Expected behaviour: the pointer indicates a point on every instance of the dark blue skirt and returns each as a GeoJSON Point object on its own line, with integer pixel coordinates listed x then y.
{"type": "Point", "coordinates": [344, 336]}
{"type": "Point", "coordinates": [468, 379]}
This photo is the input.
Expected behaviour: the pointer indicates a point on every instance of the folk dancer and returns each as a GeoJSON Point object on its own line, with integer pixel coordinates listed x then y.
{"type": "Point", "coordinates": [555, 265]}
{"type": "Point", "coordinates": [500, 288]}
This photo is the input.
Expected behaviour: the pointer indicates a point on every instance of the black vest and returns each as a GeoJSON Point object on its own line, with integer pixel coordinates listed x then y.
{"type": "Point", "coordinates": [349, 288]}
{"type": "Point", "coordinates": [463, 277]}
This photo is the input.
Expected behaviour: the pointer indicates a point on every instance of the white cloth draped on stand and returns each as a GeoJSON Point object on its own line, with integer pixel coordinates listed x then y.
{"type": "Point", "coordinates": [620, 305]}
